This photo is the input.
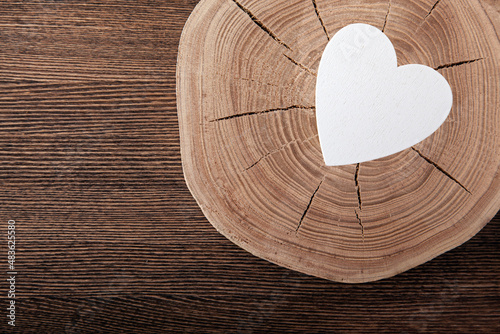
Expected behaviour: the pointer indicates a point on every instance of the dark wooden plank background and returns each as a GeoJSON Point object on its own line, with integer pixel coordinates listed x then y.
{"type": "Point", "coordinates": [109, 238]}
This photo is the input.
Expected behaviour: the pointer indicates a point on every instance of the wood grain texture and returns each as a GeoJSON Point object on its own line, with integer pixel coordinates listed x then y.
{"type": "Point", "coordinates": [246, 78]}
{"type": "Point", "coordinates": [110, 239]}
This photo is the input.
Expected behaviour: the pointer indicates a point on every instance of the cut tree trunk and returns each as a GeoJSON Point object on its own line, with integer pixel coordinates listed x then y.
{"type": "Point", "coordinates": [251, 156]}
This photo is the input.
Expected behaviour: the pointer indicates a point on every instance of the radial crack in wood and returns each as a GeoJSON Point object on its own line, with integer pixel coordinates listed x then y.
{"type": "Point", "coordinates": [309, 205]}
{"type": "Point", "coordinates": [305, 68]}
{"type": "Point", "coordinates": [358, 218]}
{"type": "Point", "coordinates": [432, 9]}
{"type": "Point", "coordinates": [458, 63]}
{"type": "Point", "coordinates": [358, 188]}
{"type": "Point", "coordinates": [439, 168]}
{"type": "Point", "coordinates": [387, 15]}
{"type": "Point", "coordinates": [252, 113]}
{"type": "Point", "coordinates": [320, 19]}
{"type": "Point", "coordinates": [358, 193]}
{"type": "Point", "coordinates": [282, 147]}
{"type": "Point", "coordinates": [260, 24]}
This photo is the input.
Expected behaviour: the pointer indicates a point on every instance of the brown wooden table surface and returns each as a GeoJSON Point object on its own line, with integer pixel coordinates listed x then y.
{"type": "Point", "coordinates": [109, 238]}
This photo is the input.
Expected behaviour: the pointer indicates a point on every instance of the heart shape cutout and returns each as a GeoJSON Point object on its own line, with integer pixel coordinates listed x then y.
{"type": "Point", "coordinates": [366, 106]}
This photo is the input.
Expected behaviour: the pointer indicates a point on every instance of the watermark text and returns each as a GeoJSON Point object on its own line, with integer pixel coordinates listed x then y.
{"type": "Point", "coordinates": [11, 261]}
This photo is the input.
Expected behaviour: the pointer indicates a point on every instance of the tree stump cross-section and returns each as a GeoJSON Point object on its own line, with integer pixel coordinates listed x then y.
{"type": "Point", "coordinates": [246, 81]}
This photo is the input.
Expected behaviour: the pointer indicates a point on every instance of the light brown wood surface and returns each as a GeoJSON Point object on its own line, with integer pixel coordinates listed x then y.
{"type": "Point", "coordinates": [251, 156]}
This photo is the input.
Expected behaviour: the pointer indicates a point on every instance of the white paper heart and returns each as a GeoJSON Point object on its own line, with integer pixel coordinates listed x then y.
{"type": "Point", "coordinates": [366, 106]}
